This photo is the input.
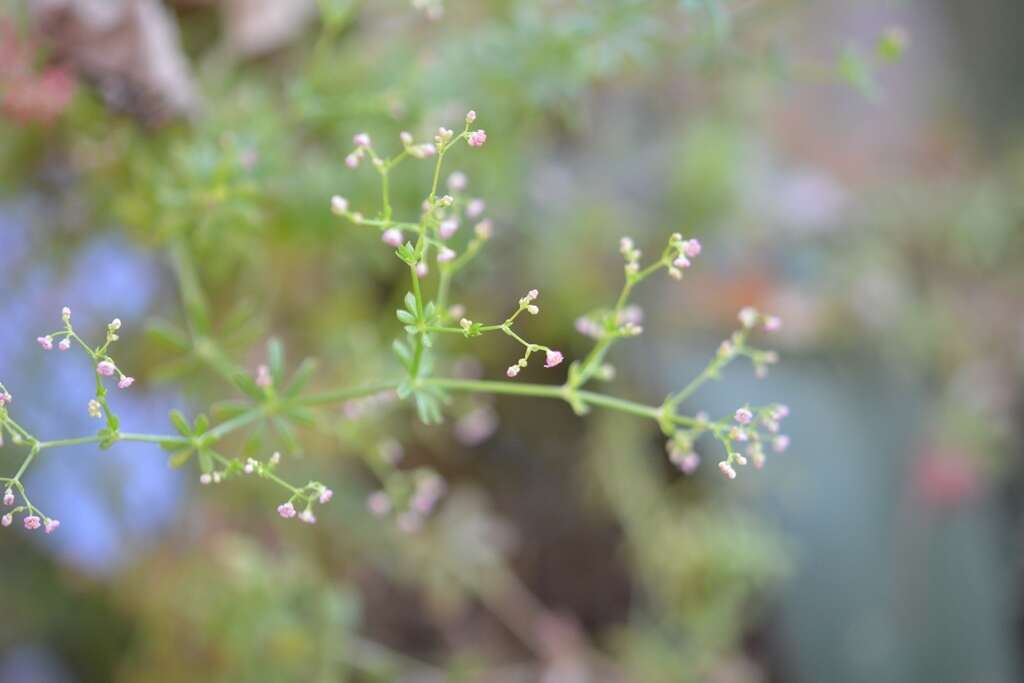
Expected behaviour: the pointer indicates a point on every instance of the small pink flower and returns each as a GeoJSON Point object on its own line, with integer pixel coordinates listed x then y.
{"type": "Point", "coordinates": [64, 344]}
{"type": "Point", "coordinates": [106, 368]}
{"type": "Point", "coordinates": [65, 313]}
{"type": "Point", "coordinates": [748, 316]}
{"type": "Point", "coordinates": [307, 516]}
{"type": "Point", "coordinates": [553, 358]}
{"type": "Point", "coordinates": [263, 378]}
{"type": "Point", "coordinates": [477, 138]}
{"type": "Point", "coordinates": [445, 255]}
{"type": "Point", "coordinates": [46, 342]}
{"type": "Point", "coordinates": [5, 398]}
{"type": "Point", "coordinates": [352, 160]}
{"type": "Point", "coordinates": [512, 371]}
{"type": "Point", "coordinates": [448, 228]}
{"type": "Point", "coordinates": [681, 262]}
{"type": "Point", "coordinates": [781, 411]}
{"type": "Point", "coordinates": [691, 248]}
{"type": "Point", "coordinates": [286, 510]}
{"type": "Point", "coordinates": [457, 181]}
{"type": "Point", "coordinates": [772, 323]}
{"type": "Point", "coordinates": [727, 470]}
{"type": "Point", "coordinates": [32, 522]}
{"type": "Point", "coordinates": [378, 503]}
{"type": "Point", "coordinates": [361, 140]}
{"type": "Point", "coordinates": [475, 208]}
{"type": "Point", "coordinates": [689, 463]}
{"type": "Point", "coordinates": [484, 229]}
{"type": "Point", "coordinates": [744, 416]}
{"type": "Point", "coordinates": [428, 149]}
{"type": "Point", "coordinates": [470, 116]}
{"type": "Point", "coordinates": [421, 270]}
{"type": "Point", "coordinates": [780, 443]}
{"type": "Point", "coordinates": [339, 205]}
{"type": "Point", "coordinates": [325, 496]}
{"type": "Point", "coordinates": [205, 479]}
{"type": "Point", "coordinates": [8, 497]}
{"type": "Point", "coordinates": [392, 237]}
{"type": "Point", "coordinates": [125, 382]}
{"type": "Point", "coordinates": [51, 525]}
{"type": "Point", "coordinates": [7, 519]}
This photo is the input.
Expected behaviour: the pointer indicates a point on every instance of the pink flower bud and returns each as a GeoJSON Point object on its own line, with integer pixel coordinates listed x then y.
{"type": "Point", "coordinates": [470, 116]}
{"type": "Point", "coordinates": [361, 140]}
{"type": "Point", "coordinates": [772, 323]}
{"type": "Point", "coordinates": [392, 237]}
{"type": "Point", "coordinates": [125, 382]}
{"type": "Point", "coordinates": [51, 525]}
{"type": "Point", "coordinates": [378, 503]}
{"type": "Point", "coordinates": [46, 342]}
{"type": "Point", "coordinates": [552, 359]}
{"type": "Point", "coordinates": [780, 443]}
{"type": "Point", "coordinates": [106, 368]}
{"type": "Point", "coordinates": [477, 138]}
{"type": "Point", "coordinates": [8, 497]}
{"type": "Point", "coordinates": [512, 371]}
{"type": "Point", "coordinates": [7, 519]}
{"type": "Point", "coordinates": [457, 181]}
{"type": "Point", "coordinates": [421, 270]}
{"type": "Point", "coordinates": [286, 510]}
{"type": "Point", "coordinates": [352, 160]}
{"type": "Point", "coordinates": [475, 208]}
{"type": "Point", "coordinates": [263, 378]}
{"type": "Point", "coordinates": [307, 516]}
{"type": "Point", "coordinates": [339, 205]}
{"type": "Point", "coordinates": [744, 416]}
{"type": "Point", "coordinates": [727, 470]}
{"type": "Point", "coordinates": [691, 248]}
{"type": "Point", "coordinates": [64, 344]}
{"type": "Point", "coordinates": [448, 228]}
{"type": "Point", "coordinates": [325, 496]}
{"type": "Point", "coordinates": [445, 255]}
{"type": "Point", "coordinates": [681, 262]}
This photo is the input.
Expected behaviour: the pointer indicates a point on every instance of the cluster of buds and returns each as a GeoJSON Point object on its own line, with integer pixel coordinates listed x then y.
{"type": "Point", "coordinates": [681, 251]}
{"type": "Point", "coordinates": [410, 496]}
{"type": "Point", "coordinates": [625, 323]}
{"type": "Point", "coordinates": [552, 357]}
{"type": "Point", "coordinates": [416, 151]}
{"type": "Point", "coordinates": [362, 143]}
{"type": "Point", "coordinates": [33, 520]}
{"type": "Point", "coordinates": [681, 453]}
{"type": "Point", "coordinates": [748, 430]}
{"type": "Point", "coordinates": [749, 317]}
{"type": "Point", "coordinates": [103, 364]}
{"type": "Point", "coordinates": [632, 255]}
{"type": "Point", "coordinates": [5, 400]}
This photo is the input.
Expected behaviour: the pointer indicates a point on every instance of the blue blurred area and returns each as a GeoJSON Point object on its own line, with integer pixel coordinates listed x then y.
{"type": "Point", "coordinates": [112, 504]}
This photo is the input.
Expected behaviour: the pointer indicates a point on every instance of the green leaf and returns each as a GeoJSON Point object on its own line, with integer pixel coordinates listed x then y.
{"type": "Point", "coordinates": [301, 377]}
{"type": "Point", "coordinates": [275, 359]}
{"type": "Point", "coordinates": [180, 423]}
{"type": "Point", "coordinates": [225, 410]}
{"type": "Point", "coordinates": [410, 303]}
{"type": "Point", "coordinates": [302, 416]}
{"type": "Point", "coordinates": [202, 424]}
{"type": "Point", "coordinates": [405, 317]}
{"type": "Point", "coordinates": [205, 460]}
{"type": "Point", "coordinates": [287, 434]}
{"type": "Point", "coordinates": [402, 351]}
{"type": "Point", "coordinates": [179, 458]}
{"type": "Point", "coordinates": [248, 386]}
{"type": "Point", "coordinates": [404, 389]}
{"type": "Point", "coordinates": [165, 333]}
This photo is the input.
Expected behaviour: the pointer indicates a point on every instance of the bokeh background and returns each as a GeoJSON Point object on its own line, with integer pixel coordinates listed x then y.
{"type": "Point", "coordinates": [857, 168]}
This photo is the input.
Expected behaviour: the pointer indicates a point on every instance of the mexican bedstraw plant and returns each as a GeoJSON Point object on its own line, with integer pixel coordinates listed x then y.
{"type": "Point", "coordinates": [434, 247]}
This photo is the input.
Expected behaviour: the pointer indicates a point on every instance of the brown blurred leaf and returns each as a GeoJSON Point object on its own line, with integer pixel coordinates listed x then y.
{"type": "Point", "coordinates": [129, 48]}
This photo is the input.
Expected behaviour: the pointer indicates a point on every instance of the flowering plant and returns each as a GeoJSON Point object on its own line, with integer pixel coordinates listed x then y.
{"type": "Point", "coordinates": [433, 243]}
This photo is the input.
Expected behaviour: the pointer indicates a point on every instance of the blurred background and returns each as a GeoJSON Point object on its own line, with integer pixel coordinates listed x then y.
{"type": "Point", "coordinates": [857, 168]}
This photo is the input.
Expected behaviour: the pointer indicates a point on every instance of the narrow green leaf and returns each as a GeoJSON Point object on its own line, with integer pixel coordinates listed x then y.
{"type": "Point", "coordinates": [180, 423]}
